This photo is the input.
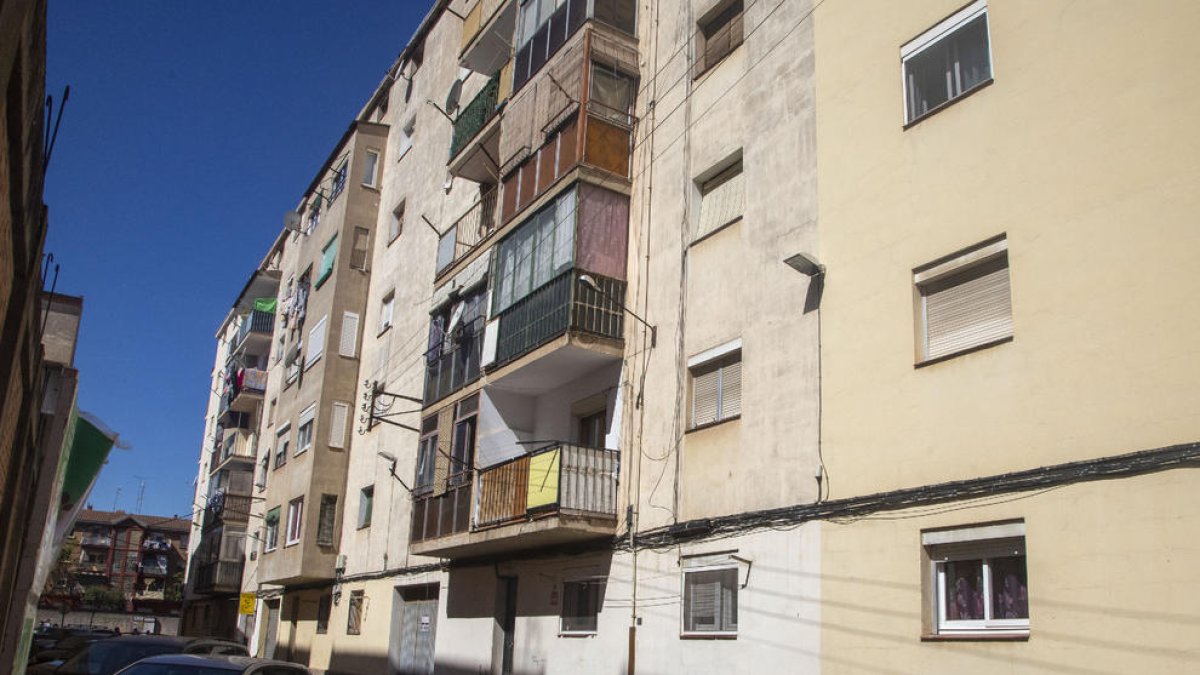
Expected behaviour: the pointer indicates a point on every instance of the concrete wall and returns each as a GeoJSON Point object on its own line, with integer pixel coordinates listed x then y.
{"type": "Point", "coordinates": [167, 625]}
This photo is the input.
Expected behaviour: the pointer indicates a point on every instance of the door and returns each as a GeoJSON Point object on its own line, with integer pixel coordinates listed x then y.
{"type": "Point", "coordinates": [414, 629]}
{"type": "Point", "coordinates": [272, 628]}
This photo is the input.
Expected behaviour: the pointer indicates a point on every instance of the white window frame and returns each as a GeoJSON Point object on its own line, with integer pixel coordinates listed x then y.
{"type": "Point", "coordinates": [988, 252]}
{"type": "Point", "coordinates": [942, 30]}
{"type": "Point", "coordinates": [407, 133]}
{"type": "Point", "coordinates": [983, 543]}
{"type": "Point", "coordinates": [283, 435]}
{"type": "Point", "coordinates": [396, 224]}
{"type": "Point", "coordinates": [371, 168]}
{"type": "Point", "coordinates": [730, 566]}
{"type": "Point", "coordinates": [271, 536]}
{"type": "Point", "coordinates": [295, 521]}
{"type": "Point", "coordinates": [308, 420]}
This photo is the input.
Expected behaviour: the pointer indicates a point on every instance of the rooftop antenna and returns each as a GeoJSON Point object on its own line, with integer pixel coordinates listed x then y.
{"type": "Point", "coordinates": [116, 498]}
{"type": "Point", "coordinates": [141, 493]}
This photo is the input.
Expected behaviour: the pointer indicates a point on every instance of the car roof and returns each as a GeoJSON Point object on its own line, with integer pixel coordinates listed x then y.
{"type": "Point", "coordinates": [234, 663]}
{"type": "Point", "coordinates": [174, 640]}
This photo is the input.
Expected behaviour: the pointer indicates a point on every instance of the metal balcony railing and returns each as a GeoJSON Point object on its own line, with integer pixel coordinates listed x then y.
{"type": "Point", "coordinates": [96, 540]}
{"type": "Point", "coordinates": [558, 479]}
{"type": "Point", "coordinates": [564, 303]}
{"type": "Point", "coordinates": [153, 570]}
{"type": "Point", "coordinates": [226, 508]}
{"type": "Point", "coordinates": [469, 231]}
{"type": "Point", "coordinates": [156, 545]}
{"type": "Point", "coordinates": [256, 322]}
{"type": "Point", "coordinates": [472, 118]}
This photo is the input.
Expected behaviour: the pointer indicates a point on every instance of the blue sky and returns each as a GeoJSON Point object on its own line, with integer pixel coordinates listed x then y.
{"type": "Point", "coordinates": [191, 128]}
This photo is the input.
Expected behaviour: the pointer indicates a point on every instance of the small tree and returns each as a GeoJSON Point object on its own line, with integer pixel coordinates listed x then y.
{"type": "Point", "coordinates": [103, 598]}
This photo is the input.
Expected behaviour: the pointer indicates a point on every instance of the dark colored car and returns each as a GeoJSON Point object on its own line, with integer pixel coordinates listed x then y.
{"type": "Point", "coordinates": [106, 657]}
{"type": "Point", "coordinates": [70, 641]}
{"type": "Point", "coordinates": [185, 664]}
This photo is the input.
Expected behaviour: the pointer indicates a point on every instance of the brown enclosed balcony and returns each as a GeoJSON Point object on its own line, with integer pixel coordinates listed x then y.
{"type": "Point", "coordinates": [222, 576]}
{"type": "Point", "coordinates": [238, 445]}
{"type": "Point", "coordinates": [557, 495]}
{"type": "Point", "coordinates": [224, 508]}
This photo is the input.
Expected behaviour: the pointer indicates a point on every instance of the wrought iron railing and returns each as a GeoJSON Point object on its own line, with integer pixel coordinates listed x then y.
{"type": "Point", "coordinates": [257, 322]}
{"type": "Point", "coordinates": [557, 479]}
{"type": "Point", "coordinates": [564, 303]}
{"type": "Point", "coordinates": [472, 118]}
{"type": "Point", "coordinates": [448, 371]}
{"type": "Point", "coordinates": [469, 231]}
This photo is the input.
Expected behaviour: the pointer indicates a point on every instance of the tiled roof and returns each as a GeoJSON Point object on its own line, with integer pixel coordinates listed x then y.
{"type": "Point", "coordinates": [163, 523]}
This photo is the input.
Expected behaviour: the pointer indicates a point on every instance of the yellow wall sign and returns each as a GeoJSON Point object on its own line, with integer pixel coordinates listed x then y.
{"type": "Point", "coordinates": [246, 604]}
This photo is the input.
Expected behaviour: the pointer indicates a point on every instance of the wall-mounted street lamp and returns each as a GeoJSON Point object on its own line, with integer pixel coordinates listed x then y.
{"type": "Point", "coordinates": [391, 459]}
{"type": "Point", "coordinates": [805, 264]}
{"type": "Point", "coordinates": [591, 283]}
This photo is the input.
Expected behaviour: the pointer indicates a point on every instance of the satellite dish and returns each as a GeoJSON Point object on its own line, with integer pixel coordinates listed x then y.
{"type": "Point", "coordinates": [291, 221]}
{"type": "Point", "coordinates": [453, 97]}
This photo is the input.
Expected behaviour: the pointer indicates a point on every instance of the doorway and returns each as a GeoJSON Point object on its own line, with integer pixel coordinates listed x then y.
{"type": "Point", "coordinates": [414, 630]}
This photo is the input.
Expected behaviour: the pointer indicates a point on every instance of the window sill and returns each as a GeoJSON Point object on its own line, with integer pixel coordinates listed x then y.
{"type": "Point", "coordinates": [577, 634]}
{"type": "Point", "coordinates": [385, 329]}
{"type": "Point", "coordinates": [930, 113]}
{"type": "Point", "coordinates": [369, 186]}
{"type": "Point", "coordinates": [709, 425]}
{"type": "Point", "coordinates": [963, 352]}
{"type": "Point", "coordinates": [982, 636]}
{"type": "Point", "coordinates": [360, 528]}
{"type": "Point", "coordinates": [393, 239]}
{"type": "Point", "coordinates": [291, 543]}
{"type": "Point", "coordinates": [715, 635]}
{"type": "Point", "coordinates": [308, 366]}
{"type": "Point", "coordinates": [716, 230]}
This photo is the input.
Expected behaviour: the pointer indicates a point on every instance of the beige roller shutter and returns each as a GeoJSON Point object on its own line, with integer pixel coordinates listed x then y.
{"type": "Point", "coordinates": [337, 424]}
{"type": "Point", "coordinates": [731, 390]}
{"type": "Point", "coordinates": [348, 345]}
{"type": "Point", "coordinates": [967, 309]}
{"type": "Point", "coordinates": [705, 392]}
{"type": "Point", "coordinates": [723, 200]}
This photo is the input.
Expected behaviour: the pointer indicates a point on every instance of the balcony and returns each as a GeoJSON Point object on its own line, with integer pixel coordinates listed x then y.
{"type": "Point", "coordinates": [150, 595]}
{"type": "Point", "coordinates": [153, 569]}
{"type": "Point", "coordinates": [439, 516]}
{"type": "Point", "coordinates": [557, 495]}
{"type": "Point", "coordinates": [92, 568]}
{"type": "Point", "coordinates": [97, 540]}
{"type": "Point", "coordinates": [222, 576]}
{"type": "Point", "coordinates": [247, 389]}
{"type": "Point", "coordinates": [255, 332]}
{"type": "Point", "coordinates": [238, 444]}
{"type": "Point", "coordinates": [475, 143]}
{"type": "Point", "coordinates": [226, 508]}
{"type": "Point", "coordinates": [564, 305]}
{"type": "Point", "coordinates": [487, 35]}
{"type": "Point", "coordinates": [453, 362]}
{"type": "Point", "coordinates": [467, 233]}
{"type": "Point", "coordinates": [156, 544]}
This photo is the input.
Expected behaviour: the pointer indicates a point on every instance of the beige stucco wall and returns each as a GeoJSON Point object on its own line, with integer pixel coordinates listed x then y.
{"type": "Point", "coordinates": [1112, 586]}
{"type": "Point", "coordinates": [1088, 172]}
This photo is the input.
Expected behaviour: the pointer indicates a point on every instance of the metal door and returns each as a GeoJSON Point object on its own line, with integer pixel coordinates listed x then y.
{"type": "Point", "coordinates": [272, 629]}
{"type": "Point", "coordinates": [414, 630]}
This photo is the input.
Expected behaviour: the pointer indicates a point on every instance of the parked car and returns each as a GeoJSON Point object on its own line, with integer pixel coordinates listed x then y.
{"type": "Point", "coordinates": [187, 664]}
{"type": "Point", "coordinates": [107, 656]}
{"type": "Point", "coordinates": [70, 642]}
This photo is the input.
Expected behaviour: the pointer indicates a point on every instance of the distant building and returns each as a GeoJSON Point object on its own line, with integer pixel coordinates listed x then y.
{"type": "Point", "coordinates": [140, 556]}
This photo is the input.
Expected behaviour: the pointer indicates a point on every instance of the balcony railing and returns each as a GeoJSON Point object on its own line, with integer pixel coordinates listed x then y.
{"type": "Point", "coordinates": [442, 515]}
{"type": "Point", "coordinates": [248, 387]}
{"type": "Point", "coordinates": [156, 545]}
{"type": "Point", "coordinates": [449, 371]}
{"type": "Point", "coordinates": [92, 568]}
{"type": "Point", "coordinates": [153, 570]}
{"type": "Point", "coordinates": [472, 118]}
{"type": "Point", "coordinates": [562, 304]}
{"type": "Point", "coordinates": [558, 479]}
{"type": "Point", "coordinates": [256, 323]}
{"type": "Point", "coordinates": [227, 508]}
{"type": "Point", "coordinates": [223, 575]}
{"type": "Point", "coordinates": [150, 595]}
{"type": "Point", "coordinates": [468, 232]}
{"type": "Point", "coordinates": [96, 540]}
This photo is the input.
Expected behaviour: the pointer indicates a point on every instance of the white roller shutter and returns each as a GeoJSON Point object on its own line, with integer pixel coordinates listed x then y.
{"type": "Point", "coordinates": [316, 343]}
{"type": "Point", "coordinates": [723, 201]}
{"type": "Point", "coordinates": [337, 424]}
{"type": "Point", "coordinates": [705, 394]}
{"type": "Point", "coordinates": [348, 345]}
{"type": "Point", "coordinates": [967, 309]}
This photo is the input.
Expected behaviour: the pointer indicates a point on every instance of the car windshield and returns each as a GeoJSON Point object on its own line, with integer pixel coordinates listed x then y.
{"type": "Point", "coordinates": [178, 669]}
{"type": "Point", "coordinates": [106, 657]}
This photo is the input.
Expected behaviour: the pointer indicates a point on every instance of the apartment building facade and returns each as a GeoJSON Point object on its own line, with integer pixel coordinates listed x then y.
{"type": "Point", "coordinates": [989, 358]}
{"type": "Point", "coordinates": [599, 419]}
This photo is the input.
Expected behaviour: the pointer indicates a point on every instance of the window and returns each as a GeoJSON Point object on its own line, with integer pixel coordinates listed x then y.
{"type": "Point", "coordinates": [348, 344]}
{"type": "Point", "coordinates": [339, 415]}
{"type": "Point", "coordinates": [722, 198]}
{"type": "Point", "coordinates": [338, 181]}
{"type": "Point", "coordinates": [963, 302]}
{"type": "Point", "coordinates": [427, 454]}
{"type": "Point", "coordinates": [354, 615]}
{"type": "Point", "coordinates": [359, 249]}
{"type": "Point", "coordinates": [328, 258]}
{"type": "Point", "coordinates": [264, 466]}
{"type": "Point", "coordinates": [406, 137]}
{"type": "Point", "coordinates": [396, 226]}
{"type": "Point", "coordinates": [366, 504]}
{"type": "Point", "coordinates": [720, 33]}
{"type": "Point", "coordinates": [710, 601]}
{"type": "Point", "coordinates": [326, 520]}
{"type": "Point", "coordinates": [581, 606]}
{"type": "Point", "coordinates": [316, 343]}
{"type": "Point", "coordinates": [281, 446]}
{"type": "Point", "coordinates": [592, 429]}
{"type": "Point", "coordinates": [314, 215]}
{"type": "Point", "coordinates": [611, 94]}
{"type": "Point", "coordinates": [324, 608]}
{"type": "Point", "coordinates": [462, 450]}
{"type": "Point", "coordinates": [946, 62]}
{"type": "Point", "coordinates": [271, 541]}
{"type": "Point", "coordinates": [716, 391]}
{"type": "Point", "coordinates": [979, 580]}
{"type": "Point", "coordinates": [295, 517]}
{"type": "Point", "coordinates": [385, 311]}
{"type": "Point", "coordinates": [536, 252]}
{"type": "Point", "coordinates": [304, 431]}
{"type": "Point", "coordinates": [370, 168]}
